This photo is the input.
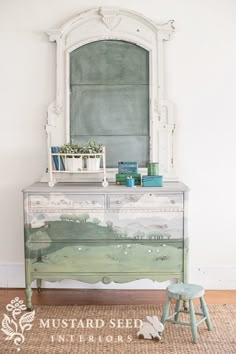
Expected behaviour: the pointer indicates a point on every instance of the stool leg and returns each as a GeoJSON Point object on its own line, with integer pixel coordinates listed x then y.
{"type": "Point", "coordinates": [206, 313]}
{"type": "Point", "coordinates": [193, 321]}
{"type": "Point", "coordinates": [186, 307]}
{"type": "Point", "coordinates": [165, 311]}
{"type": "Point", "coordinates": [177, 308]}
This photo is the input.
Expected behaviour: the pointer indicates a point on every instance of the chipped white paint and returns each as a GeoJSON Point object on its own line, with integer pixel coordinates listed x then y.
{"type": "Point", "coordinates": [116, 24]}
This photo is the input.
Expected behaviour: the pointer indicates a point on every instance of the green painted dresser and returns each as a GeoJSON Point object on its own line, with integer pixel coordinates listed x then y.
{"type": "Point", "coordinates": [91, 233]}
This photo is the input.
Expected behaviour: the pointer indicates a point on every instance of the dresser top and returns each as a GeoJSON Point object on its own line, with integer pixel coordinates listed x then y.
{"type": "Point", "coordinates": [42, 187]}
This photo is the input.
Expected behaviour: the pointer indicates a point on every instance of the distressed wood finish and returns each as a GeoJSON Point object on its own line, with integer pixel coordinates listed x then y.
{"type": "Point", "coordinates": [186, 293]}
{"type": "Point", "coordinates": [94, 234]}
{"type": "Point", "coordinates": [132, 29]}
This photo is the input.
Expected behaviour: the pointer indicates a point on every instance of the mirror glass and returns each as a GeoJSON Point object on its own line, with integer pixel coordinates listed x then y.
{"type": "Point", "coordinates": [109, 99]}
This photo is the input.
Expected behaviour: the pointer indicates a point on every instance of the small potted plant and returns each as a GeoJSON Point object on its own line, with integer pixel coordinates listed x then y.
{"type": "Point", "coordinates": [92, 161]}
{"type": "Point", "coordinates": [72, 162]}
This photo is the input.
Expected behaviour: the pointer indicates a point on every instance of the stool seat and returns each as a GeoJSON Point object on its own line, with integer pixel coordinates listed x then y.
{"type": "Point", "coordinates": [186, 293]}
{"type": "Point", "coordinates": [182, 291]}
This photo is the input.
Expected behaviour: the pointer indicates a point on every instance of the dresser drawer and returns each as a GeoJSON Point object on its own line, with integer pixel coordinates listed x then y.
{"type": "Point", "coordinates": [103, 225]}
{"type": "Point", "coordinates": [120, 257]}
{"type": "Point", "coordinates": [159, 202]}
{"type": "Point", "coordinates": [66, 201]}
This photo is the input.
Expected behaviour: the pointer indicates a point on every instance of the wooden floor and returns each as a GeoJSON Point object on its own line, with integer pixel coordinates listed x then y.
{"type": "Point", "coordinates": [107, 297]}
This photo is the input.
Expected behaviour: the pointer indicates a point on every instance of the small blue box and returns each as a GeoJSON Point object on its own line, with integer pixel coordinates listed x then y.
{"type": "Point", "coordinates": [152, 181]}
{"type": "Point", "coordinates": [127, 167]}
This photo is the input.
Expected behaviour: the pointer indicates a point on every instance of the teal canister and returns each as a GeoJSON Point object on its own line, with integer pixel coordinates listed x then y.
{"type": "Point", "coordinates": [130, 182]}
{"type": "Point", "coordinates": [153, 168]}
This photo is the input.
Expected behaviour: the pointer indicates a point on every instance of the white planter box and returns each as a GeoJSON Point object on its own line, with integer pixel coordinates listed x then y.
{"type": "Point", "coordinates": [93, 164]}
{"type": "Point", "coordinates": [77, 164]}
{"type": "Point", "coordinates": [74, 163]}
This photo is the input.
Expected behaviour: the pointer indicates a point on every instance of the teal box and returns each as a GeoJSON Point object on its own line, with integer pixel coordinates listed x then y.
{"type": "Point", "coordinates": [152, 181]}
{"type": "Point", "coordinates": [127, 167]}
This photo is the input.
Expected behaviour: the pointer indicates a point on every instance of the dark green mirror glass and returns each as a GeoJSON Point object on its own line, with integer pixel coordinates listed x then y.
{"type": "Point", "coordinates": [109, 99]}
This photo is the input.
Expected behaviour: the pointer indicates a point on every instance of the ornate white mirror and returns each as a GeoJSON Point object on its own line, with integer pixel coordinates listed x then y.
{"type": "Point", "coordinates": [109, 88]}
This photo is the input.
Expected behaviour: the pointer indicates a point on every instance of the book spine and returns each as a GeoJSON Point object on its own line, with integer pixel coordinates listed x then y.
{"type": "Point", "coordinates": [57, 160]}
{"type": "Point", "coordinates": [61, 164]}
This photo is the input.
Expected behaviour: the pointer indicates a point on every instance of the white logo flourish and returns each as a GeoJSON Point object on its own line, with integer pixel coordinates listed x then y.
{"type": "Point", "coordinates": [14, 327]}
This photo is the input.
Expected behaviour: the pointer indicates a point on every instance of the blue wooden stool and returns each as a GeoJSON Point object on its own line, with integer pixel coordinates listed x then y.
{"type": "Point", "coordinates": [186, 293]}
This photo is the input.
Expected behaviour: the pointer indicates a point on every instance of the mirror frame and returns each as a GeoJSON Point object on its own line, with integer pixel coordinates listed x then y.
{"type": "Point", "coordinates": [125, 25]}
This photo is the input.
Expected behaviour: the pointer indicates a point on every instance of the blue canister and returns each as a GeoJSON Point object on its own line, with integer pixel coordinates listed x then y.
{"type": "Point", "coordinates": [130, 182]}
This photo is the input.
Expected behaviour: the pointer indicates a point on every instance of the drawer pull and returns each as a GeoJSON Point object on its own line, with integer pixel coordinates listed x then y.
{"type": "Point", "coordinates": [106, 280]}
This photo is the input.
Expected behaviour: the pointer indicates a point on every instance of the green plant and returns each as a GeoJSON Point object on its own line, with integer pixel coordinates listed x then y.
{"type": "Point", "coordinates": [91, 147]}
{"type": "Point", "coordinates": [71, 149]}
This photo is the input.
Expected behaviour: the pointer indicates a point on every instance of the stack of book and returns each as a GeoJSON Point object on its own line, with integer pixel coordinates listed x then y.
{"type": "Point", "coordinates": [57, 160]}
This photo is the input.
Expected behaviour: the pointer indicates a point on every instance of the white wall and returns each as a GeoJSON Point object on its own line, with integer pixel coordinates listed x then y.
{"type": "Point", "coordinates": [201, 81]}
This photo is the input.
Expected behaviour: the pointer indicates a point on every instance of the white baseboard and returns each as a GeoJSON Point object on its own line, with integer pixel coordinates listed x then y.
{"type": "Point", "coordinates": [211, 277]}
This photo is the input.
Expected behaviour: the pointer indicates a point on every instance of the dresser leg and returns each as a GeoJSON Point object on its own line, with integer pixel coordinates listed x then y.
{"type": "Point", "coordinates": [28, 295]}
{"type": "Point", "coordinates": [28, 281]}
{"type": "Point", "coordinates": [39, 284]}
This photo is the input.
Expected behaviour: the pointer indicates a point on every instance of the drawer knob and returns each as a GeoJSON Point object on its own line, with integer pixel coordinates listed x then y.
{"type": "Point", "coordinates": [106, 280]}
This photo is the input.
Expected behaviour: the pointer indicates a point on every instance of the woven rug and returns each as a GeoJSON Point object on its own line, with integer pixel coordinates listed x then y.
{"type": "Point", "coordinates": [112, 329]}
